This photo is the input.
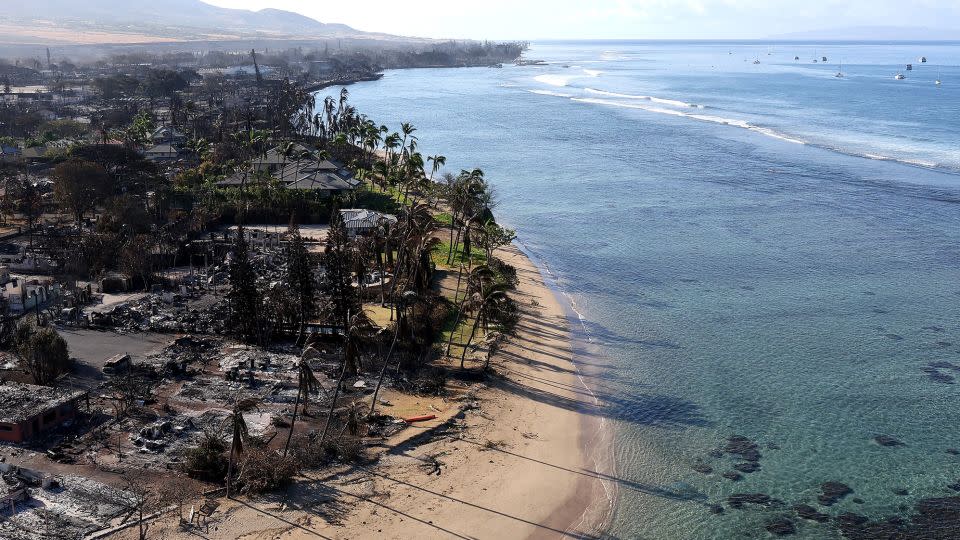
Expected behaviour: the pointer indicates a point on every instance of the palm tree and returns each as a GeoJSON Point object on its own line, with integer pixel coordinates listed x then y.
{"type": "Point", "coordinates": [407, 129]}
{"type": "Point", "coordinates": [479, 276]}
{"type": "Point", "coordinates": [307, 384]}
{"type": "Point", "coordinates": [391, 143]}
{"type": "Point", "coordinates": [438, 161]}
{"type": "Point", "coordinates": [240, 433]}
{"type": "Point", "coordinates": [487, 305]}
{"type": "Point", "coordinates": [406, 298]}
{"type": "Point", "coordinates": [359, 324]}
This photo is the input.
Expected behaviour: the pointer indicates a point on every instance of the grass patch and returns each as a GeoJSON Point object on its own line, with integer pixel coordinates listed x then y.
{"type": "Point", "coordinates": [375, 199]}
{"type": "Point", "coordinates": [460, 333]}
{"type": "Point", "coordinates": [443, 218]}
{"type": "Point", "coordinates": [439, 256]}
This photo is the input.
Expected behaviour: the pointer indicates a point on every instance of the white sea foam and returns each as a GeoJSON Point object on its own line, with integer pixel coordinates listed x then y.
{"type": "Point", "coordinates": [555, 80]}
{"type": "Point", "coordinates": [593, 72]}
{"type": "Point", "coordinates": [549, 93]}
{"type": "Point", "coordinates": [662, 101]}
{"type": "Point", "coordinates": [701, 117]}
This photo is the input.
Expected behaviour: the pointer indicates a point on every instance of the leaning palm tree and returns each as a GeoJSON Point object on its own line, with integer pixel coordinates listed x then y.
{"type": "Point", "coordinates": [359, 325]}
{"type": "Point", "coordinates": [240, 433]}
{"type": "Point", "coordinates": [478, 277]}
{"type": "Point", "coordinates": [438, 161]}
{"type": "Point", "coordinates": [307, 384]}
{"type": "Point", "coordinates": [405, 299]}
{"type": "Point", "coordinates": [486, 306]}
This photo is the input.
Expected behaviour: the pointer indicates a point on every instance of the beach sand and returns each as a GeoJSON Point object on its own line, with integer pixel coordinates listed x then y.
{"type": "Point", "coordinates": [521, 465]}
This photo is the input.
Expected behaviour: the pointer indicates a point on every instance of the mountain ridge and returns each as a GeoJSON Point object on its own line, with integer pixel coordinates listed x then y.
{"type": "Point", "coordinates": [162, 19]}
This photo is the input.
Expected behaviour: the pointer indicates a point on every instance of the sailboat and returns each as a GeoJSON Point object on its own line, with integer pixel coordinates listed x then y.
{"type": "Point", "coordinates": [839, 74]}
{"type": "Point", "coordinates": [939, 82]}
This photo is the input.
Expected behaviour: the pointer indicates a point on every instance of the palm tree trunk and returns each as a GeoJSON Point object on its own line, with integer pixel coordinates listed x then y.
{"type": "Point", "coordinates": [383, 371]}
{"type": "Point", "coordinates": [456, 323]}
{"type": "Point", "coordinates": [473, 331]}
{"type": "Point", "coordinates": [230, 469]}
{"type": "Point", "coordinates": [453, 219]}
{"type": "Point", "coordinates": [333, 402]}
{"type": "Point", "coordinates": [293, 420]}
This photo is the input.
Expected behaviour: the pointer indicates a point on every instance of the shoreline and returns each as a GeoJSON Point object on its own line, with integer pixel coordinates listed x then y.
{"type": "Point", "coordinates": [524, 458]}
{"type": "Point", "coordinates": [597, 502]}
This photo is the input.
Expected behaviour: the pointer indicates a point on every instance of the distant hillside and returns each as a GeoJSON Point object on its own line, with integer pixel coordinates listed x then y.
{"type": "Point", "coordinates": [874, 33]}
{"type": "Point", "coordinates": [138, 21]}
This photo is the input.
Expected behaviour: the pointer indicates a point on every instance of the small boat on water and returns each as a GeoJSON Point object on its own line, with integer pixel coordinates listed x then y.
{"type": "Point", "coordinates": [757, 61]}
{"type": "Point", "coordinates": [824, 59]}
{"type": "Point", "coordinates": [909, 67]}
{"type": "Point", "coordinates": [938, 82]}
{"type": "Point", "coordinates": [795, 58]}
{"type": "Point", "coordinates": [839, 74]}
{"type": "Point", "coordinates": [900, 76]}
{"type": "Point", "coordinates": [923, 59]}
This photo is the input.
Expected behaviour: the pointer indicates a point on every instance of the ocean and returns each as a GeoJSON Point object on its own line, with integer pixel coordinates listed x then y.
{"type": "Point", "coordinates": [755, 249]}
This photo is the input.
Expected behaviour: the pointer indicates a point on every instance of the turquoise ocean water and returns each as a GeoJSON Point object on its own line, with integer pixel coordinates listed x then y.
{"type": "Point", "coordinates": [764, 250]}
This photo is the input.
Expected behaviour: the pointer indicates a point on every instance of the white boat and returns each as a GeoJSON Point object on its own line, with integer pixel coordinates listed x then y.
{"type": "Point", "coordinates": [939, 82]}
{"type": "Point", "coordinates": [923, 59]}
{"type": "Point", "coordinates": [839, 74]}
{"type": "Point", "coordinates": [900, 77]}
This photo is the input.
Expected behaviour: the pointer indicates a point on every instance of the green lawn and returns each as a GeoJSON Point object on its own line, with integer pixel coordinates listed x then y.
{"type": "Point", "coordinates": [443, 218]}
{"type": "Point", "coordinates": [439, 256]}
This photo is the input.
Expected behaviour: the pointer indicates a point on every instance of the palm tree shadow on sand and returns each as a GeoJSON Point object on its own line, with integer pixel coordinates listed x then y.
{"type": "Point", "coordinates": [654, 410]}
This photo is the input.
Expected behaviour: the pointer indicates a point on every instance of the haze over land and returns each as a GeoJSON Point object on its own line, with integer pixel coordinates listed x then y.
{"type": "Point", "coordinates": [138, 21]}
{"type": "Point", "coordinates": [635, 19]}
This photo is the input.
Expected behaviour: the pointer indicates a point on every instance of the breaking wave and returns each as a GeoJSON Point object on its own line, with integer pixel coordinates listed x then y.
{"type": "Point", "coordinates": [662, 101]}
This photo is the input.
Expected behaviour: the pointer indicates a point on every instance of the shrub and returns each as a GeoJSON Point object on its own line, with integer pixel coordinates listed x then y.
{"type": "Point", "coordinates": [44, 352]}
{"type": "Point", "coordinates": [207, 461]}
{"type": "Point", "coordinates": [263, 470]}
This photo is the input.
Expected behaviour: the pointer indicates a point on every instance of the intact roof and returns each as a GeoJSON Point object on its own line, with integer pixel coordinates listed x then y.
{"type": "Point", "coordinates": [275, 155]}
{"type": "Point", "coordinates": [19, 402]}
{"type": "Point", "coordinates": [162, 149]}
{"type": "Point", "coordinates": [321, 181]}
{"type": "Point", "coordinates": [167, 131]}
{"type": "Point", "coordinates": [363, 218]}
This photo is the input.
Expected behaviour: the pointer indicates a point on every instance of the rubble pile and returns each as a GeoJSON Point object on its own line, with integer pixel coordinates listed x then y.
{"type": "Point", "coordinates": [71, 507]}
{"type": "Point", "coordinates": [163, 313]}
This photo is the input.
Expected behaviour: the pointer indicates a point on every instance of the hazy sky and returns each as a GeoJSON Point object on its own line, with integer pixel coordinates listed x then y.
{"type": "Point", "coordinates": [614, 19]}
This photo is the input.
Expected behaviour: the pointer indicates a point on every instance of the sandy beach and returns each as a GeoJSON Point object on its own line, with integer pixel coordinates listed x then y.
{"type": "Point", "coordinates": [519, 462]}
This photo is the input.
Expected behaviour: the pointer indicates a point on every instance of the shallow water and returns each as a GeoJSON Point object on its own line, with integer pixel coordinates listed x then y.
{"type": "Point", "coordinates": [737, 282]}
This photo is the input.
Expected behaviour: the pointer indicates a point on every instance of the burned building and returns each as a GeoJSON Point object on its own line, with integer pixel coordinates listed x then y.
{"type": "Point", "coordinates": [27, 410]}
